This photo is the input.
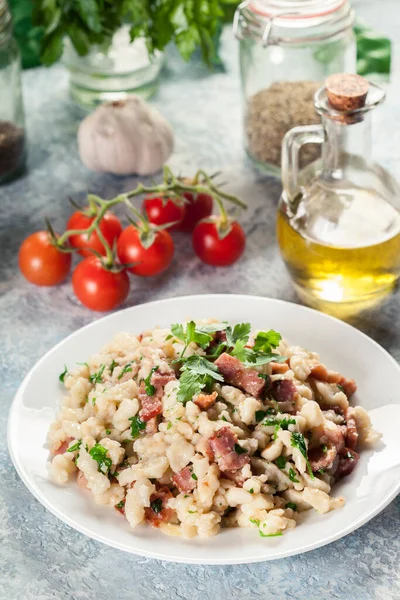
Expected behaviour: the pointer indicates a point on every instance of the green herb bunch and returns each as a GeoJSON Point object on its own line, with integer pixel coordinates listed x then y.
{"type": "Point", "coordinates": [190, 24]}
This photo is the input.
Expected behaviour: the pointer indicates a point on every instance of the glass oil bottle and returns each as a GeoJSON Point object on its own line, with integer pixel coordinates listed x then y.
{"type": "Point", "coordinates": [338, 224]}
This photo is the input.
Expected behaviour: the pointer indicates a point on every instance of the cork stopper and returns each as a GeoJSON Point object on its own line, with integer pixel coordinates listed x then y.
{"type": "Point", "coordinates": [346, 91]}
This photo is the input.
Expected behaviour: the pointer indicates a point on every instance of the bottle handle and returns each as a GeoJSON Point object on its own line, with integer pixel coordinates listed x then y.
{"type": "Point", "coordinates": [291, 144]}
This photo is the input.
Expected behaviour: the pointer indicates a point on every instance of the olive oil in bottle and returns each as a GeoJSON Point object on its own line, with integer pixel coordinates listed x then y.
{"type": "Point", "coordinates": [338, 224]}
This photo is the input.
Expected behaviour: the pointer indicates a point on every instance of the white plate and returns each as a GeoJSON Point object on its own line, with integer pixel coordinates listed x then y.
{"type": "Point", "coordinates": [373, 484]}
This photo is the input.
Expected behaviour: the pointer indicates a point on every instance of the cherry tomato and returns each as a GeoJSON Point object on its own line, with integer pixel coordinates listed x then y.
{"type": "Point", "coordinates": [199, 207]}
{"type": "Point", "coordinates": [215, 250]}
{"type": "Point", "coordinates": [96, 287]}
{"type": "Point", "coordinates": [152, 260]}
{"type": "Point", "coordinates": [110, 227]}
{"type": "Point", "coordinates": [162, 210]}
{"type": "Point", "coordinates": [40, 262]}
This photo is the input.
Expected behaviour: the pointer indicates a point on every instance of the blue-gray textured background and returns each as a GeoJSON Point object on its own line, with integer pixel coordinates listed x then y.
{"type": "Point", "coordinates": [40, 557]}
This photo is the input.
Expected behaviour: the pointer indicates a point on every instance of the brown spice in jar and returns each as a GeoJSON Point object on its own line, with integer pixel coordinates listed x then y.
{"type": "Point", "coordinates": [12, 143]}
{"type": "Point", "coordinates": [272, 112]}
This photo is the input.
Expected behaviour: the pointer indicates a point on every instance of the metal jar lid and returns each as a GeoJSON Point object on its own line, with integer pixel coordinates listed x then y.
{"type": "Point", "coordinates": [274, 22]}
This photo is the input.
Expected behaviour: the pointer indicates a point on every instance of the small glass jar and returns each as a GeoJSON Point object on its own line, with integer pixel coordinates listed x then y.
{"type": "Point", "coordinates": [287, 49]}
{"type": "Point", "coordinates": [110, 74]}
{"type": "Point", "coordinates": [12, 132]}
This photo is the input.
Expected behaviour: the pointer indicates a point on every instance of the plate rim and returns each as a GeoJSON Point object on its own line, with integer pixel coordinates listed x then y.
{"type": "Point", "coordinates": [26, 480]}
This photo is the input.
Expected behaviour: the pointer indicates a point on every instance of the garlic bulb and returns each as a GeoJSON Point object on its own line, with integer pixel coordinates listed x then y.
{"type": "Point", "coordinates": [125, 137]}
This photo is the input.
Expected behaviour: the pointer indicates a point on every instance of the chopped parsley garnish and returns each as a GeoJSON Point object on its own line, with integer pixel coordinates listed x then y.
{"type": "Point", "coordinates": [112, 366]}
{"type": "Point", "coordinates": [156, 505]}
{"type": "Point", "coordinates": [223, 418]}
{"type": "Point", "coordinates": [266, 341]}
{"type": "Point", "coordinates": [127, 369]}
{"type": "Point", "coordinates": [299, 442]}
{"type": "Point", "coordinates": [191, 512]}
{"type": "Point", "coordinates": [93, 401]}
{"type": "Point", "coordinates": [239, 449]}
{"type": "Point", "coordinates": [263, 376]}
{"type": "Point", "coordinates": [292, 476]}
{"type": "Point", "coordinates": [149, 387]}
{"type": "Point", "coordinates": [324, 449]}
{"type": "Point", "coordinates": [255, 521]}
{"type": "Point", "coordinates": [341, 388]}
{"type": "Point", "coordinates": [99, 454]}
{"type": "Point", "coordinates": [97, 377]}
{"type": "Point", "coordinates": [197, 373]}
{"type": "Point", "coordinates": [260, 414]}
{"type": "Point", "coordinates": [321, 471]}
{"type": "Point", "coordinates": [281, 462]}
{"type": "Point", "coordinates": [62, 375]}
{"type": "Point", "coordinates": [240, 333]}
{"type": "Point", "coordinates": [108, 431]}
{"type": "Point", "coordinates": [120, 504]}
{"type": "Point", "coordinates": [84, 364]}
{"type": "Point", "coordinates": [169, 425]}
{"type": "Point", "coordinates": [192, 334]}
{"type": "Point", "coordinates": [291, 505]}
{"type": "Point", "coordinates": [137, 425]}
{"type": "Point", "coordinates": [194, 476]}
{"type": "Point", "coordinates": [169, 337]}
{"type": "Point", "coordinates": [283, 424]}
{"type": "Point", "coordinates": [251, 491]}
{"type": "Point", "coordinates": [75, 446]}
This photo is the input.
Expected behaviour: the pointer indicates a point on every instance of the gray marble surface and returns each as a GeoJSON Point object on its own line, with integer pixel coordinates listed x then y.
{"type": "Point", "coordinates": [40, 557]}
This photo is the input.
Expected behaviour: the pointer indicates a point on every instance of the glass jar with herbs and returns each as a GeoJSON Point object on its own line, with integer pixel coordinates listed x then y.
{"type": "Point", "coordinates": [12, 132]}
{"type": "Point", "coordinates": [287, 49]}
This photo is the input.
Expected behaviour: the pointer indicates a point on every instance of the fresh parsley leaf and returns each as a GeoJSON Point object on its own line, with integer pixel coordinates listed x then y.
{"type": "Point", "coordinates": [194, 476]}
{"type": "Point", "coordinates": [321, 471]}
{"type": "Point", "coordinates": [292, 476]}
{"type": "Point", "coordinates": [169, 337]}
{"type": "Point", "coordinates": [137, 425]}
{"type": "Point", "coordinates": [97, 377]}
{"type": "Point", "coordinates": [149, 387]}
{"type": "Point", "coordinates": [197, 372]}
{"type": "Point", "coordinates": [240, 333]}
{"type": "Point", "coordinates": [239, 449]}
{"type": "Point", "coordinates": [112, 366]}
{"type": "Point", "coordinates": [178, 332]}
{"type": "Point", "coordinates": [83, 364]}
{"type": "Point", "coordinates": [341, 388]}
{"type": "Point", "coordinates": [251, 491]}
{"type": "Point", "coordinates": [156, 505]}
{"type": "Point", "coordinates": [99, 454]}
{"type": "Point", "coordinates": [127, 369]}
{"type": "Point", "coordinates": [282, 424]}
{"type": "Point", "coordinates": [266, 340]}
{"type": "Point", "coordinates": [281, 462]}
{"type": "Point", "coordinates": [270, 534]}
{"type": "Point", "coordinates": [260, 414]}
{"type": "Point", "coordinates": [62, 375]}
{"type": "Point", "coordinates": [120, 504]}
{"type": "Point", "coordinates": [298, 441]}
{"type": "Point", "coordinates": [93, 401]}
{"type": "Point", "coordinates": [223, 418]}
{"type": "Point", "coordinates": [263, 376]}
{"type": "Point", "coordinates": [75, 446]}
{"type": "Point", "coordinates": [108, 431]}
{"type": "Point", "coordinates": [291, 505]}
{"type": "Point", "coordinates": [213, 327]}
{"type": "Point", "coordinates": [169, 425]}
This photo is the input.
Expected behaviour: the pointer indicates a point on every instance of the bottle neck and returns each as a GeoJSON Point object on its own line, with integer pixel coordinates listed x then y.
{"type": "Point", "coordinates": [5, 22]}
{"type": "Point", "coordinates": [344, 146]}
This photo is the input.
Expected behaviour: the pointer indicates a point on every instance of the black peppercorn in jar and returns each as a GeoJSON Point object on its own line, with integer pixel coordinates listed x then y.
{"type": "Point", "coordinates": [287, 48]}
{"type": "Point", "coordinates": [12, 131]}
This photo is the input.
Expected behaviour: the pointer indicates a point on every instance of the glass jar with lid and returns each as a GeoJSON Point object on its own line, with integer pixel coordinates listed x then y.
{"type": "Point", "coordinates": [12, 133]}
{"type": "Point", "coordinates": [287, 49]}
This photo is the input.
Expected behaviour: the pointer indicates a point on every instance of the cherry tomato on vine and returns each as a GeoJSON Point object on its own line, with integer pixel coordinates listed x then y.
{"type": "Point", "coordinates": [217, 247]}
{"type": "Point", "coordinates": [153, 259]}
{"type": "Point", "coordinates": [198, 207]}
{"type": "Point", "coordinates": [97, 287]}
{"type": "Point", "coordinates": [110, 227]}
{"type": "Point", "coordinates": [40, 262]}
{"type": "Point", "coordinates": [161, 211]}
